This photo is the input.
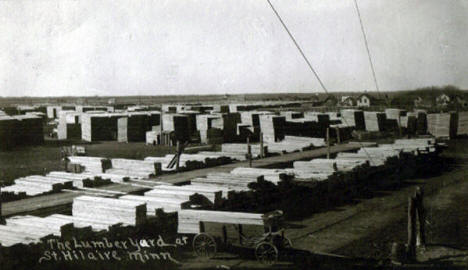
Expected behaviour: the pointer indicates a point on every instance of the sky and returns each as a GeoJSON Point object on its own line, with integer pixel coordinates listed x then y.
{"type": "Point", "coordinates": [172, 47]}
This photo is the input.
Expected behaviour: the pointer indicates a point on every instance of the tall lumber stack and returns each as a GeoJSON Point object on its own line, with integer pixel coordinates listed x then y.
{"type": "Point", "coordinates": [442, 125]}
{"type": "Point", "coordinates": [154, 203]}
{"type": "Point", "coordinates": [99, 127]}
{"type": "Point", "coordinates": [272, 127]}
{"type": "Point", "coordinates": [462, 126]}
{"type": "Point", "coordinates": [7, 132]}
{"type": "Point", "coordinates": [69, 126]}
{"type": "Point", "coordinates": [393, 118]}
{"type": "Point", "coordinates": [152, 137]}
{"type": "Point", "coordinates": [134, 168]}
{"type": "Point", "coordinates": [177, 123]}
{"type": "Point", "coordinates": [28, 130]}
{"type": "Point", "coordinates": [107, 210]}
{"type": "Point", "coordinates": [374, 121]}
{"type": "Point", "coordinates": [205, 123]}
{"type": "Point", "coordinates": [353, 118]}
{"type": "Point", "coordinates": [91, 164]}
{"type": "Point", "coordinates": [421, 123]}
{"type": "Point", "coordinates": [189, 220]}
{"type": "Point", "coordinates": [294, 143]}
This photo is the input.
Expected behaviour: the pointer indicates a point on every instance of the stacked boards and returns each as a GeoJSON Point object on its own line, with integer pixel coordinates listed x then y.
{"type": "Point", "coordinates": [442, 125]}
{"type": "Point", "coordinates": [272, 127]}
{"type": "Point", "coordinates": [353, 118]}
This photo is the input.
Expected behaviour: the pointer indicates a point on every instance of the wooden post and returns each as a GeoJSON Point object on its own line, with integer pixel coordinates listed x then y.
{"type": "Point", "coordinates": [249, 151]}
{"type": "Point", "coordinates": [161, 126]}
{"type": "Point", "coordinates": [262, 153]}
{"type": "Point", "coordinates": [421, 231]}
{"type": "Point", "coordinates": [411, 246]}
{"type": "Point", "coordinates": [328, 143]}
{"type": "Point", "coordinates": [240, 233]}
{"type": "Point", "coordinates": [338, 138]}
{"type": "Point", "coordinates": [2, 221]}
{"type": "Point", "coordinates": [178, 149]}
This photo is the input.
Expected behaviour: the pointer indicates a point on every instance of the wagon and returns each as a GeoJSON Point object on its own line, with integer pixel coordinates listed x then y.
{"type": "Point", "coordinates": [214, 230]}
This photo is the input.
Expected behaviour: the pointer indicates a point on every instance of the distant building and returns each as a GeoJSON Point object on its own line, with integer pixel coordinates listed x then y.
{"type": "Point", "coordinates": [460, 101]}
{"type": "Point", "coordinates": [348, 101]}
{"type": "Point", "coordinates": [443, 100]}
{"type": "Point", "coordinates": [329, 101]}
{"type": "Point", "coordinates": [366, 100]}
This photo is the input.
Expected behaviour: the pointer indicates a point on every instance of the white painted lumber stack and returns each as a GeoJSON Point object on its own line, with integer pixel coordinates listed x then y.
{"type": "Point", "coordinates": [294, 143]}
{"type": "Point", "coordinates": [375, 121]}
{"type": "Point", "coordinates": [272, 175]}
{"type": "Point", "coordinates": [109, 210]}
{"type": "Point", "coordinates": [36, 185]}
{"type": "Point", "coordinates": [214, 195]}
{"type": "Point", "coordinates": [90, 164]}
{"type": "Point", "coordinates": [189, 220]}
{"type": "Point", "coordinates": [47, 225]}
{"type": "Point", "coordinates": [152, 137]}
{"type": "Point", "coordinates": [241, 148]}
{"type": "Point", "coordinates": [462, 127]}
{"type": "Point", "coordinates": [154, 203]}
{"type": "Point", "coordinates": [442, 125]}
{"type": "Point", "coordinates": [11, 235]}
{"type": "Point", "coordinates": [272, 127]}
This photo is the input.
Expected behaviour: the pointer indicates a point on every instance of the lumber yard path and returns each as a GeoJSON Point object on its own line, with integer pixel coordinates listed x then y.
{"type": "Point", "coordinates": [48, 204]}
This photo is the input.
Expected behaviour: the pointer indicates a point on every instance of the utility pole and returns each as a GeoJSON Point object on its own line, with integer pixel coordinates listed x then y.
{"type": "Point", "coordinates": [328, 143]}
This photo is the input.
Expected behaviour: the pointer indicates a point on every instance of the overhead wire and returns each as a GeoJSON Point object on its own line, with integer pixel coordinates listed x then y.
{"type": "Point", "coordinates": [310, 65]}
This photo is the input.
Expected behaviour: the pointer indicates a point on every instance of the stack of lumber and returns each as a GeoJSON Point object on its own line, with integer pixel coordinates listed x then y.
{"type": "Point", "coordinates": [69, 126]}
{"type": "Point", "coordinates": [394, 114]}
{"type": "Point", "coordinates": [179, 124]}
{"type": "Point", "coordinates": [11, 235]}
{"type": "Point", "coordinates": [311, 170]}
{"type": "Point", "coordinates": [293, 144]}
{"type": "Point", "coordinates": [318, 117]}
{"type": "Point", "coordinates": [353, 118]}
{"type": "Point", "coordinates": [134, 168]}
{"type": "Point", "coordinates": [241, 148]}
{"type": "Point", "coordinates": [189, 220]}
{"type": "Point", "coordinates": [373, 161]}
{"type": "Point", "coordinates": [48, 225]}
{"type": "Point", "coordinates": [374, 121]}
{"type": "Point", "coordinates": [442, 125]}
{"type": "Point", "coordinates": [462, 126]}
{"type": "Point", "coordinates": [415, 146]}
{"type": "Point", "coordinates": [272, 127]}
{"type": "Point", "coordinates": [193, 161]}
{"type": "Point", "coordinates": [292, 115]}
{"type": "Point", "coordinates": [153, 203]}
{"type": "Point", "coordinates": [99, 126]}
{"type": "Point", "coordinates": [421, 124]}
{"type": "Point", "coordinates": [213, 194]}
{"type": "Point", "coordinates": [7, 132]}
{"type": "Point", "coordinates": [227, 180]}
{"type": "Point", "coordinates": [28, 130]}
{"type": "Point", "coordinates": [36, 185]}
{"type": "Point", "coordinates": [81, 180]}
{"type": "Point", "coordinates": [152, 137]}
{"type": "Point", "coordinates": [230, 155]}
{"type": "Point", "coordinates": [272, 175]}
{"type": "Point", "coordinates": [90, 164]}
{"type": "Point", "coordinates": [107, 210]}
{"type": "Point", "coordinates": [205, 123]}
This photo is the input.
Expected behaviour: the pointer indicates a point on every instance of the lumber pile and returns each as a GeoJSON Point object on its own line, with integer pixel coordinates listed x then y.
{"type": "Point", "coordinates": [272, 175]}
{"type": "Point", "coordinates": [442, 125]}
{"type": "Point", "coordinates": [99, 126]}
{"type": "Point", "coordinates": [134, 168]}
{"type": "Point", "coordinates": [154, 203]}
{"type": "Point", "coordinates": [374, 121]}
{"type": "Point", "coordinates": [272, 127]}
{"type": "Point", "coordinates": [109, 211]}
{"type": "Point", "coordinates": [193, 161]}
{"type": "Point", "coordinates": [292, 115]}
{"type": "Point", "coordinates": [189, 220]}
{"type": "Point", "coordinates": [36, 185]}
{"type": "Point", "coordinates": [7, 132]}
{"type": "Point", "coordinates": [91, 164]}
{"type": "Point", "coordinates": [81, 180]}
{"type": "Point", "coordinates": [241, 148]}
{"type": "Point", "coordinates": [394, 114]}
{"type": "Point", "coordinates": [179, 124]}
{"type": "Point", "coordinates": [421, 123]}
{"type": "Point", "coordinates": [293, 144]}
{"type": "Point", "coordinates": [462, 126]}
{"type": "Point", "coordinates": [353, 118]}
{"type": "Point", "coordinates": [152, 137]}
{"type": "Point", "coordinates": [47, 225]}
{"type": "Point", "coordinates": [69, 126]}
{"type": "Point", "coordinates": [227, 180]}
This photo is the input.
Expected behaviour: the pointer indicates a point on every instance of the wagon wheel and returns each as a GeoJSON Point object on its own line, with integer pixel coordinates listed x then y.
{"type": "Point", "coordinates": [286, 243]}
{"type": "Point", "coordinates": [204, 245]}
{"type": "Point", "coordinates": [266, 253]}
